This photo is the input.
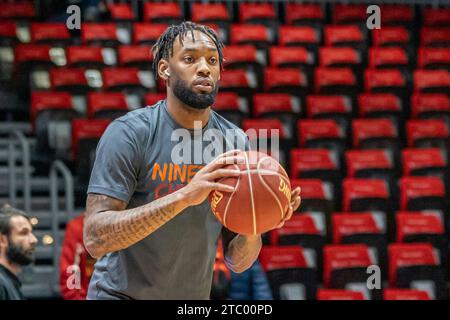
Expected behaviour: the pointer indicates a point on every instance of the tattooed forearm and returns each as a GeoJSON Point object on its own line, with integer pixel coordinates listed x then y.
{"type": "Point", "coordinates": [109, 227]}
{"type": "Point", "coordinates": [242, 251]}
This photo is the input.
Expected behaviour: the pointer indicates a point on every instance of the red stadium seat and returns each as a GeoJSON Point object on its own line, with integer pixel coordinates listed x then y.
{"type": "Point", "coordinates": [256, 12]}
{"type": "Point", "coordinates": [397, 14]}
{"type": "Point", "coordinates": [369, 228]}
{"type": "Point", "coordinates": [434, 36]}
{"type": "Point", "coordinates": [51, 115]}
{"type": "Point", "coordinates": [100, 33]}
{"type": "Point", "coordinates": [139, 56]}
{"type": "Point", "coordinates": [239, 81]}
{"type": "Point", "coordinates": [433, 58]}
{"type": "Point", "coordinates": [8, 31]}
{"type": "Point", "coordinates": [317, 164]}
{"type": "Point", "coordinates": [432, 81]}
{"type": "Point", "coordinates": [427, 133]}
{"type": "Point", "coordinates": [103, 105]}
{"type": "Point", "coordinates": [72, 79]}
{"type": "Point", "coordinates": [123, 78]}
{"type": "Point", "coordinates": [274, 103]}
{"type": "Point", "coordinates": [366, 195]}
{"type": "Point", "coordinates": [121, 11]}
{"type": "Point", "coordinates": [32, 54]}
{"type": "Point", "coordinates": [254, 34]}
{"type": "Point", "coordinates": [336, 294]}
{"type": "Point", "coordinates": [49, 33]}
{"type": "Point", "coordinates": [85, 136]}
{"type": "Point", "coordinates": [299, 36]}
{"type": "Point", "coordinates": [210, 12]}
{"type": "Point", "coordinates": [349, 13]}
{"type": "Point", "coordinates": [418, 227]}
{"type": "Point", "coordinates": [380, 105]}
{"type": "Point", "coordinates": [417, 266]}
{"type": "Point", "coordinates": [288, 80]}
{"type": "Point", "coordinates": [274, 127]}
{"type": "Point", "coordinates": [317, 195]}
{"type": "Point", "coordinates": [147, 33]}
{"type": "Point", "coordinates": [18, 10]}
{"type": "Point", "coordinates": [301, 13]}
{"type": "Point", "coordinates": [167, 12]}
{"type": "Point", "coordinates": [346, 264]}
{"type": "Point", "coordinates": [391, 36]}
{"type": "Point", "coordinates": [374, 134]}
{"type": "Point", "coordinates": [152, 98]}
{"type": "Point", "coordinates": [436, 16]}
{"type": "Point", "coordinates": [229, 105]}
{"type": "Point", "coordinates": [85, 56]}
{"type": "Point", "coordinates": [405, 294]}
{"type": "Point", "coordinates": [320, 106]}
{"type": "Point", "coordinates": [290, 271]}
{"type": "Point", "coordinates": [345, 35]}
{"type": "Point", "coordinates": [339, 57]}
{"type": "Point", "coordinates": [425, 161]}
{"type": "Point", "coordinates": [335, 81]}
{"type": "Point", "coordinates": [290, 57]}
{"type": "Point", "coordinates": [391, 57]}
{"type": "Point", "coordinates": [369, 164]}
{"type": "Point", "coordinates": [422, 193]}
{"type": "Point", "coordinates": [321, 133]}
{"type": "Point", "coordinates": [386, 80]}
{"type": "Point", "coordinates": [430, 105]}
{"type": "Point", "coordinates": [241, 55]}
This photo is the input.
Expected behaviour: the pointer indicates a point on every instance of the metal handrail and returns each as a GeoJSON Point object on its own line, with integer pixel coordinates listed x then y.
{"type": "Point", "coordinates": [26, 186]}
{"type": "Point", "coordinates": [59, 167]}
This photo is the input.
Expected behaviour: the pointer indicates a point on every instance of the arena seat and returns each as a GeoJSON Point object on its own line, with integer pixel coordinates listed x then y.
{"type": "Point", "coordinates": [388, 57]}
{"type": "Point", "coordinates": [308, 230]}
{"type": "Point", "coordinates": [336, 107]}
{"type": "Point", "coordinates": [435, 37]}
{"type": "Point", "coordinates": [136, 56]}
{"type": "Point", "coordinates": [291, 57]}
{"type": "Point", "coordinates": [391, 36]}
{"type": "Point", "coordinates": [231, 106]}
{"type": "Point", "coordinates": [397, 14]}
{"type": "Point", "coordinates": [317, 195]}
{"type": "Point", "coordinates": [147, 33]}
{"type": "Point", "coordinates": [254, 34]}
{"type": "Point", "coordinates": [335, 81]}
{"type": "Point", "coordinates": [290, 271]}
{"type": "Point", "coordinates": [432, 81]}
{"type": "Point", "coordinates": [340, 57]}
{"type": "Point", "coordinates": [167, 12]}
{"type": "Point", "coordinates": [304, 13]}
{"type": "Point", "coordinates": [405, 294]}
{"type": "Point", "coordinates": [424, 162]}
{"type": "Point", "coordinates": [286, 80]}
{"type": "Point", "coordinates": [102, 105]}
{"type": "Point", "coordinates": [120, 11]}
{"type": "Point", "coordinates": [345, 267]}
{"type": "Point", "coordinates": [104, 34]}
{"type": "Point", "coordinates": [364, 194]}
{"type": "Point", "coordinates": [305, 36]}
{"type": "Point", "coordinates": [18, 11]}
{"type": "Point", "coordinates": [260, 13]}
{"type": "Point", "coordinates": [75, 80]}
{"type": "Point", "coordinates": [90, 57]}
{"type": "Point", "coordinates": [338, 294]}
{"type": "Point", "coordinates": [417, 266]}
{"type": "Point", "coordinates": [51, 33]}
{"type": "Point", "coordinates": [421, 193]}
{"type": "Point", "coordinates": [51, 116]}
{"type": "Point", "coordinates": [436, 17]}
{"type": "Point", "coordinates": [428, 133]}
{"type": "Point", "coordinates": [383, 105]}
{"type": "Point", "coordinates": [344, 35]}
{"type": "Point", "coordinates": [386, 81]}
{"type": "Point", "coordinates": [433, 58]}
{"type": "Point", "coordinates": [349, 13]}
{"type": "Point", "coordinates": [152, 98]}
{"type": "Point", "coordinates": [85, 136]}
{"type": "Point", "coordinates": [127, 79]}
{"type": "Point", "coordinates": [210, 12]}
{"type": "Point", "coordinates": [369, 228]}
{"type": "Point", "coordinates": [240, 81]}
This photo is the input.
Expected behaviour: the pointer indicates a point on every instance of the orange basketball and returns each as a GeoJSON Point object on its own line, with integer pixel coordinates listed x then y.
{"type": "Point", "coordinates": [261, 197]}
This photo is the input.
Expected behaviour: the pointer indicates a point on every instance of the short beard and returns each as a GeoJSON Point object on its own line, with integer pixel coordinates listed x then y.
{"type": "Point", "coordinates": [18, 255]}
{"type": "Point", "coordinates": [192, 99]}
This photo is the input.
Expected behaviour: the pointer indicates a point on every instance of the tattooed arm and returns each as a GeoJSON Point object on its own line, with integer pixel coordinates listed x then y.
{"type": "Point", "coordinates": [240, 251]}
{"type": "Point", "coordinates": [108, 227]}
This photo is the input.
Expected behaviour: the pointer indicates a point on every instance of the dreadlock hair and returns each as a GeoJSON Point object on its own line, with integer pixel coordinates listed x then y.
{"type": "Point", "coordinates": [164, 45]}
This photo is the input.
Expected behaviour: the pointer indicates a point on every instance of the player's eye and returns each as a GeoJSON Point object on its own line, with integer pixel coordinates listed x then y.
{"type": "Point", "coordinates": [188, 59]}
{"type": "Point", "coordinates": [213, 60]}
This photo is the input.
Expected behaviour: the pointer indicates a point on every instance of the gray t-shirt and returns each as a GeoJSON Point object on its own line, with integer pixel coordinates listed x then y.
{"type": "Point", "coordinates": [134, 164]}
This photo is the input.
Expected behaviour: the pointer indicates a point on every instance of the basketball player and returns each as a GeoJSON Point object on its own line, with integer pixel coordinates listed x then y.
{"type": "Point", "coordinates": [148, 220]}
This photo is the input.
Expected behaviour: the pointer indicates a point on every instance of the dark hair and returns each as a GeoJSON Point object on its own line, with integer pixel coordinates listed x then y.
{"type": "Point", "coordinates": [6, 213]}
{"type": "Point", "coordinates": [164, 45]}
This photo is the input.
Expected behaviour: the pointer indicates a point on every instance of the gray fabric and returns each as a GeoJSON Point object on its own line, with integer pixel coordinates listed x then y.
{"type": "Point", "coordinates": [176, 261]}
{"type": "Point", "coordinates": [9, 285]}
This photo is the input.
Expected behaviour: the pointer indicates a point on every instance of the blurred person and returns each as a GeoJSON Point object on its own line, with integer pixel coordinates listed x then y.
{"type": "Point", "coordinates": [76, 265]}
{"type": "Point", "coordinates": [17, 245]}
{"type": "Point", "coordinates": [251, 284]}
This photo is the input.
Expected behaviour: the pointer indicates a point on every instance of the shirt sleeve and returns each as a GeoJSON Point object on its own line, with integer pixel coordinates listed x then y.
{"type": "Point", "coordinates": [117, 162]}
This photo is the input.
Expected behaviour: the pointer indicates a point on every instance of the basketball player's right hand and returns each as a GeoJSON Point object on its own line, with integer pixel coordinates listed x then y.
{"type": "Point", "coordinates": [206, 179]}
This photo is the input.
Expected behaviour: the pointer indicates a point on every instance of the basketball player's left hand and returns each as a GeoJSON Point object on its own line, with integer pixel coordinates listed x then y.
{"type": "Point", "coordinates": [295, 203]}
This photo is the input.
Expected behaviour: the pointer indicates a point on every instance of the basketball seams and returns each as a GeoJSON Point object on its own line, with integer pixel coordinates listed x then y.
{"type": "Point", "coordinates": [268, 188]}
{"type": "Point", "coordinates": [250, 186]}
{"type": "Point", "coordinates": [231, 197]}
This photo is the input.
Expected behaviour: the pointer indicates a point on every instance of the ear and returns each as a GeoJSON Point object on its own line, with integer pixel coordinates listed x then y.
{"type": "Point", "coordinates": [163, 69]}
{"type": "Point", "coordinates": [3, 242]}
